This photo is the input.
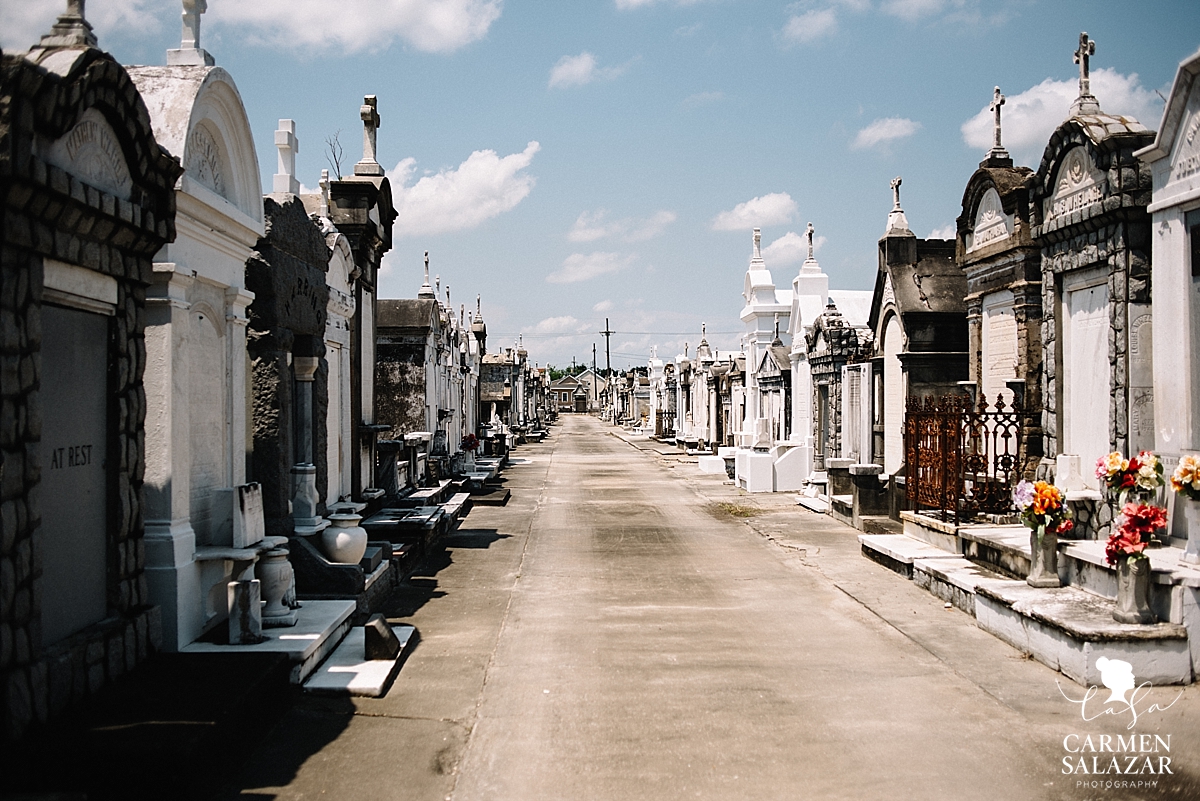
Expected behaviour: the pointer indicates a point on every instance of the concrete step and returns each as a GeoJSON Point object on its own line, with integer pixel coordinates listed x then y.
{"type": "Point", "coordinates": [898, 552]}
{"type": "Point", "coordinates": [348, 672]}
{"type": "Point", "coordinates": [320, 626]}
{"type": "Point", "coordinates": [1068, 629]}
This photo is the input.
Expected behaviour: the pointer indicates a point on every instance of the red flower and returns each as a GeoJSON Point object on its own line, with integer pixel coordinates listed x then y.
{"type": "Point", "coordinates": [1065, 527]}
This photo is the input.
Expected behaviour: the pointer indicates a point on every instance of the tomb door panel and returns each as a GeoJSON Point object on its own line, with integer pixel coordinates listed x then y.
{"type": "Point", "coordinates": [893, 397]}
{"type": "Point", "coordinates": [1141, 378]}
{"type": "Point", "coordinates": [74, 488]}
{"type": "Point", "coordinates": [208, 387]}
{"type": "Point", "coordinates": [999, 346]}
{"type": "Point", "coordinates": [1084, 407]}
{"type": "Point", "coordinates": [333, 422]}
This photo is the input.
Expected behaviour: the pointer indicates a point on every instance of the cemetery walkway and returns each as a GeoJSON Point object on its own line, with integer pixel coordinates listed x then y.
{"type": "Point", "coordinates": [626, 628]}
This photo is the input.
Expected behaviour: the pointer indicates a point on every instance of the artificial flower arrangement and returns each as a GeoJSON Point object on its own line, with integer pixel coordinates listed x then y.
{"type": "Point", "coordinates": [1043, 508]}
{"type": "Point", "coordinates": [1133, 531]}
{"type": "Point", "coordinates": [1186, 478]}
{"type": "Point", "coordinates": [470, 442]}
{"type": "Point", "coordinates": [1139, 476]}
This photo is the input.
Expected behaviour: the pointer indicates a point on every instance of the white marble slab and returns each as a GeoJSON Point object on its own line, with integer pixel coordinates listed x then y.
{"type": "Point", "coordinates": [346, 672]}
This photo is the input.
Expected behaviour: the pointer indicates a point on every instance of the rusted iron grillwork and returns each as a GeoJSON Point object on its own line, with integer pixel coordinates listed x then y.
{"type": "Point", "coordinates": [961, 459]}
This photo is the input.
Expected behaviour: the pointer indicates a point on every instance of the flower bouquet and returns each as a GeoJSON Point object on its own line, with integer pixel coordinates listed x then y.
{"type": "Point", "coordinates": [1133, 531]}
{"type": "Point", "coordinates": [1140, 476]}
{"type": "Point", "coordinates": [1043, 508]}
{"type": "Point", "coordinates": [1186, 478]}
{"type": "Point", "coordinates": [470, 442]}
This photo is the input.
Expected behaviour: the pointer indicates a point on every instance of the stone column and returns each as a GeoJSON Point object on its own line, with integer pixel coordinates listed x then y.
{"type": "Point", "coordinates": [304, 501]}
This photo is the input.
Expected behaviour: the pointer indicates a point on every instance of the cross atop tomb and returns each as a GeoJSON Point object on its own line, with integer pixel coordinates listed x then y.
{"type": "Point", "coordinates": [369, 114]}
{"type": "Point", "coordinates": [777, 340]}
{"type": "Point", "coordinates": [289, 146]}
{"type": "Point", "coordinates": [757, 255]}
{"type": "Point", "coordinates": [71, 30]}
{"type": "Point", "coordinates": [324, 184]}
{"type": "Point", "coordinates": [190, 54]}
{"type": "Point", "coordinates": [896, 219]}
{"type": "Point", "coordinates": [426, 290]}
{"type": "Point", "coordinates": [997, 101]}
{"type": "Point", "coordinates": [1086, 103]}
{"type": "Point", "coordinates": [808, 233]}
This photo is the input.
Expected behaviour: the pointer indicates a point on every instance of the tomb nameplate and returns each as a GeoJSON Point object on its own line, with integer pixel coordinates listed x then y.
{"type": "Point", "coordinates": [1141, 378]}
{"type": "Point", "coordinates": [92, 152]}
{"type": "Point", "coordinates": [999, 346]}
{"type": "Point", "coordinates": [1078, 185]}
{"type": "Point", "coordinates": [991, 223]}
{"type": "Point", "coordinates": [1186, 162]}
{"type": "Point", "coordinates": [74, 474]}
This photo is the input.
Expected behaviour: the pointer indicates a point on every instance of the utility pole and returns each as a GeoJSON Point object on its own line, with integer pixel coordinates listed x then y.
{"type": "Point", "coordinates": [595, 389]}
{"type": "Point", "coordinates": [607, 337]}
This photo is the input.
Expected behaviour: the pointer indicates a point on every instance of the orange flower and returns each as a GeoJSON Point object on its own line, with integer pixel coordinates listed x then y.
{"type": "Point", "coordinates": [1046, 498]}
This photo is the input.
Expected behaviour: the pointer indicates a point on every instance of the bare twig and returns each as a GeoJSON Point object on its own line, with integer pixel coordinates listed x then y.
{"type": "Point", "coordinates": [333, 152]}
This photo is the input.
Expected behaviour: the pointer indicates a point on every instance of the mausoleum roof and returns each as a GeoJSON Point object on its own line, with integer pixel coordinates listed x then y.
{"type": "Point", "coordinates": [405, 312]}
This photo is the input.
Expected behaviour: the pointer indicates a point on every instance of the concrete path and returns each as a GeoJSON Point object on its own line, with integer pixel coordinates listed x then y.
{"type": "Point", "coordinates": [627, 628]}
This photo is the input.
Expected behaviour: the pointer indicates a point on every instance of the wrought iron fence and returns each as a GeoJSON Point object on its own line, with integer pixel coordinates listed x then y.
{"type": "Point", "coordinates": [961, 458]}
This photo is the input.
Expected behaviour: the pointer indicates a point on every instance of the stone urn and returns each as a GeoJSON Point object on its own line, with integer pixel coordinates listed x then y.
{"type": "Point", "coordinates": [1133, 591]}
{"type": "Point", "coordinates": [345, 541]}
{"type": "Point", "coordinates": [275, 575]}
{"type": "Point", "coordinates": [1191, 513]}
{"type": "Point", "coordinates": [1043, 560]}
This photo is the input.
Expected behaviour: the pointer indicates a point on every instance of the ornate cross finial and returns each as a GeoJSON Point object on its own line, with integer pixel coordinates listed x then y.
{"type": "Point", "coordinates": [997, 101]}
{"type": "Point", "coordinates": [449, 305]}
{"type": "Point", "coordinates": [426, 290]}
{"type": "Point", "coordinates": [437, 279]}
{"type": "Point", "coordinates": [369, 114]}
{"type": "Point", "coordinates": [703, 330]}
{"type": "Point", "coordinates": [654, 351]}
{"type": "Point", "coordinates": [777, 325]}
{"type": "Point", "coordinates": [289, 146]}
{"type": "Point", "coordinates": [809, 234]}
{"type": "Point", "coordinates": [685, 347]}
{"type": "Point", "coordinates": [71, 30]}
{"type": "Point", "coordinates": [190, 54]}
{"type": "Point", "coordinates": [757, 245]}
{"type": "Point", "coordinates": [1087, 48]}
{"type": "Point", "coordinates": [324, 184]}
{"type": "Point", "coordinates": [479, 305]}
{"type": "Point", "coordinates": [896, 192]}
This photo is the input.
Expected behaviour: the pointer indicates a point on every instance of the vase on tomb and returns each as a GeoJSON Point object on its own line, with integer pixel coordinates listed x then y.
{"type": "Point", "coordinates": [1191, 513]}
{"type": "Point", "coordinates": [344, 542]}
{"type": "Point", "coordinates": [1133, 591]}
{"type": "Point", "coordinates": [1043, 560]}
{"type": "Point", "coordinates": [275, 574]}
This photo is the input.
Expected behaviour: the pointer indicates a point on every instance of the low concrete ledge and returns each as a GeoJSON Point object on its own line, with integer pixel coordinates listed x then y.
{"type": "Point", "coordinates": [1068, 629]}
{"type": "Point", "coordinates": [899, 553]}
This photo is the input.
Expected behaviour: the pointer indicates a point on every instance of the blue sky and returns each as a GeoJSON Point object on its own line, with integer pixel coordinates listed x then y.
{"type": "Point", "coordinates": [576, 160]}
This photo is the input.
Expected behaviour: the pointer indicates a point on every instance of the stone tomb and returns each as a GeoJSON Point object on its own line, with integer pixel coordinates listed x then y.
{"type": "Point", "coordinates": [197, 389]}
{"type": "Point", "coordinates": [87, 194]}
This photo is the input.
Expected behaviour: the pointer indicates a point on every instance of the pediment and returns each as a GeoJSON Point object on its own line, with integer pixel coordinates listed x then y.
{"type": "Point", "coordinates": [91, 152]}
{"type": "Point", "coordinates": [1077, 184]}
{"type": "Point", "coordinates": [1185, 161]}
{"type": "Point", "coordinates": [991, 223]}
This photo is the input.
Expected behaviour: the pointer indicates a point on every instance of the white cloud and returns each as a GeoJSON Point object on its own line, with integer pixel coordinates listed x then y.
{"type": "Point", "coordinates": [582, 69]}
{"type": "Point", "coordinates": [771, 209]}
{"type": "Point", "coordinates": [480, 188]}
{"type": "Point", "coordinates": [1028, 118]}
{"type": "Point", "coordinates": [810, 25]}
{"type": "Point", "coordinates": [24, 22]}
{"type": "Point", "coordinates": [603, 306]}
{"type": "Point", "coordinates": [947, 231]}
{"type": "Point", "coordinates": [883, 131]}
{"type": "Point", "coordinates": [789, 249]}
{"type": "Point", "coordinates": [580, 267]}
{"type": "Point", "coordinates": [912, 9]}
{"type": "Point", "coordinates": [627, 5]}
{"type": "Point", "coordinates": [555, 325]}
{"type": "Point", "coordinates": [590, 226]}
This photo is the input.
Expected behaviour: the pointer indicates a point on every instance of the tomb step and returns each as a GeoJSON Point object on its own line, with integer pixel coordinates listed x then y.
{"type": "Point", "coordinates": [1067, 629]}
{"type": "Point", "coordinates": [497, 497]}
{"type": "Point", "coordinates": [816, 503]}
{"type": "Point", "coordinates": [872, 524]}
{"type": "Point", "coordinates": [1004, 549]}
{"type": "Point", "coordinates": [458, 506]}
{"type": "Point", "coordinates": [898, 552]}
{"type": "Point", "coordinates": [954, 579]}
{"type": "Point", "coordinates": [320, 626]}
{"type": "Point", "coordinates": [348, 672]}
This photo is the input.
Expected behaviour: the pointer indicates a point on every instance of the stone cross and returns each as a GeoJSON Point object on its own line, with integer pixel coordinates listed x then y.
{"type": "Point", "coordinates": [192, 9]}
{"type": "Point", "coordinates": [190, 54]}
{"type": "Point", "coordinates": [289, 146]}
{"type": "Point", "coordinates": [324, 184]}
{"type": "Point", "coordinates": [809, 234]}
{"type": "Point", "coordinates": [449, 305]}
{"type": "Point", "coordinates": [71, 29]}
{"type": "Point", "coordinates": [654, 352]}
{"type": "Point", "coordinates": [896, 192]}
{"type": "Point", "coordinates": [997, 101]}
{"type": "Point", "coordinates": [370, 117]}
{"type": "Point", "coordinates": [1087, 48]}
{"type": "Point", "coordinates": [479, 306]}
{"type": "Point", "coordinates": [437, 285]}
{"type": "Point", "coordinates": [703, 330]}
{"type": "Point", "coordinates": [777, 325]}
{"type": "Point", "coordinates": [757, 244]}
{"type": "Point", "coordinates": [426, 290]}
